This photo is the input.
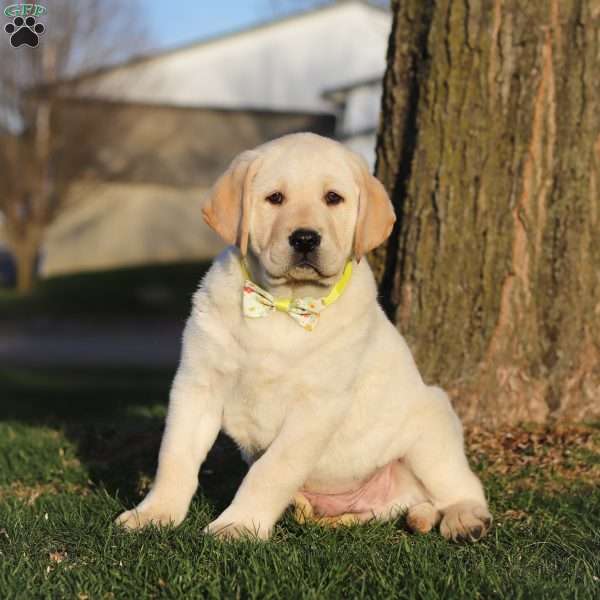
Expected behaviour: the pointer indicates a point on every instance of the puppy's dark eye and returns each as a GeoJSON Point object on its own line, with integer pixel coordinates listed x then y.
{"type": "Point", "coordinates": [332, 198]}
{"type": "Point", "coordinates": [275, 198]}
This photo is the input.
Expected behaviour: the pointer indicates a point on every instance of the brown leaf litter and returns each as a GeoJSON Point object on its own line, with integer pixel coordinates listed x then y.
{"type": "Point", "coordinates": [557, 453]}
{"type": "Point", "coordinates": [30, 493]}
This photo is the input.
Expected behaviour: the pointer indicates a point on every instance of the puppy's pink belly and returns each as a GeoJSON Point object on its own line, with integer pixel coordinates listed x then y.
{"type": "Point", "coordinates": [374, 494]}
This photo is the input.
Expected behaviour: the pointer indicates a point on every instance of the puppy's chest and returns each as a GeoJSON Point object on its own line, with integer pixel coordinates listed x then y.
{"type": "Point", "coordinates": [255, 409]}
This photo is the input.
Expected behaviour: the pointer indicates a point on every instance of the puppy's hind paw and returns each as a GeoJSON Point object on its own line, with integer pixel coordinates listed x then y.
{"type": "Point", "coordinates": [422, 518]}
{"type": "Point", "coordinates": [465, 522]}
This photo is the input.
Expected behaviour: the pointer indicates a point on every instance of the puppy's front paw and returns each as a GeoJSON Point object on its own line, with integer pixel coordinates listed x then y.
{"type": "Point", "coordinates": [142, 516]}
{"type": "Point", "coordinates": [465, 522]}
{"type": "Point", "coordinates": [229, 526]}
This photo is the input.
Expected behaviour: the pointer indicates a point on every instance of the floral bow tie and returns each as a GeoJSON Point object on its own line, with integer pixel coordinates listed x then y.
{"type": "Point", "coordinates": [257, 302]}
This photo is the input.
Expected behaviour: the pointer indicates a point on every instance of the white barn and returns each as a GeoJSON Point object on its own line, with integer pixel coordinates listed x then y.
{"type": "Point", "coordinates": [329, 60]}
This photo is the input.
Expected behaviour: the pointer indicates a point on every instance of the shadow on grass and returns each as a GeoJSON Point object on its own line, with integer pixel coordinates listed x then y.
{"type": "Point", "coordinates": [156, 290]}
{"type": "Point", "coordinates": [114, 418]}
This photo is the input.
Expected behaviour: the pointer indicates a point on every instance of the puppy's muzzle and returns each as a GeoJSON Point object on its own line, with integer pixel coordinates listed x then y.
{"type": "Point", "coordinates": [304, 240]}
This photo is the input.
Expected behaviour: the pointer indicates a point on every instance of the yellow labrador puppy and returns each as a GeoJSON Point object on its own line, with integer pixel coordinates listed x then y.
{"type": "Point", "coordinates": [288, 351]}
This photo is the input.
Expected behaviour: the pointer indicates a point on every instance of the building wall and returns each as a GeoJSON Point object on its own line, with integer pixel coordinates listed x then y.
{"type": "Point", "coordinates": [362, 105]}
{"type": "Point", "coordinates": [112, 224]}
{"type": "Point", "coordinates": [358, 107]}
{"type": "Point", "coordinates": [136, 176]}
{"type": "Point", "coordinates": [141, 143]}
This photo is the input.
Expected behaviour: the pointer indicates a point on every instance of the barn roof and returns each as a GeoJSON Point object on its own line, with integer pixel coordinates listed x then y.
{"type": "Point", "coordinates": [280, 65]}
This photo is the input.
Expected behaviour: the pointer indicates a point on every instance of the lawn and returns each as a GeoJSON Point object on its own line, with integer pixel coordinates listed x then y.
{"type": "Point", "coordinates": [76, 446]}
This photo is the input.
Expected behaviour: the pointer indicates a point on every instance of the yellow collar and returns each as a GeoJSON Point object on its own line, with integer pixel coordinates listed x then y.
{"type": "Point", "coordinates": [305, 311]}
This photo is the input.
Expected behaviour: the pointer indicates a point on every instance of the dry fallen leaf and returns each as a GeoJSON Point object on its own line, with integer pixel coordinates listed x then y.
{"type": "Point", "coordinates": [515, 515]}
{"type": "Point", "coordinates": [58, 556]}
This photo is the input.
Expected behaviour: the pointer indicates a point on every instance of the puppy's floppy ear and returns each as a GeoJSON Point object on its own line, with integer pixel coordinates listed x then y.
{"type": "Point", "coordinates": [376, 215]}
{"type": "Point", "coordinates": [227, 208]}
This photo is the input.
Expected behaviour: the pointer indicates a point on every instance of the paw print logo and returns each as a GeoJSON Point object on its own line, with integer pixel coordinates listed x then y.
{"type": "Point", "coordinates": [24, 31]}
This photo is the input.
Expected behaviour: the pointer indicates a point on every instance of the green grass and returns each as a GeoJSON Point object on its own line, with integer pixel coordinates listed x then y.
{"type": "Point", "coordinates": [76, 447]}
{"type": "Point", "coordinates": [153, 290]}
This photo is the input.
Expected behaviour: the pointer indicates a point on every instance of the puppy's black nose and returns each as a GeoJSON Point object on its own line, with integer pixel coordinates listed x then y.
{"type": "Point", "coordinates": [304, 240]}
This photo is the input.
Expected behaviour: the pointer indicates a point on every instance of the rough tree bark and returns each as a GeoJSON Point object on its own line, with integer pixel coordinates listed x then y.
{"type": "Point", "coordinates": [489, 143]}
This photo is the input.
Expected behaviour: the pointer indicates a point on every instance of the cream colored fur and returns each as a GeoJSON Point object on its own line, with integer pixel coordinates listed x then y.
{"type": "Point", "coordinates": [322, 409]}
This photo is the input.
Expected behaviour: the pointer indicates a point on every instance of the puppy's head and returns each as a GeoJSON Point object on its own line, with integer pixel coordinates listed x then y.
{"type": "Point", "coordinates": [303, 205]}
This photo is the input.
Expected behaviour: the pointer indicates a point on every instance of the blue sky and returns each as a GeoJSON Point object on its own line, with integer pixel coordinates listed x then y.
{"type": "Point", "coordinates": [175, 22]}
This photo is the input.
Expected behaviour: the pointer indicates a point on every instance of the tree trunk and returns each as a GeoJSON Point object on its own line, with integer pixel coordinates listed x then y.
{"type": "Point", "coordinates": [489, 144]}
{"type": "Point", "coordinates": [25, 254]}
